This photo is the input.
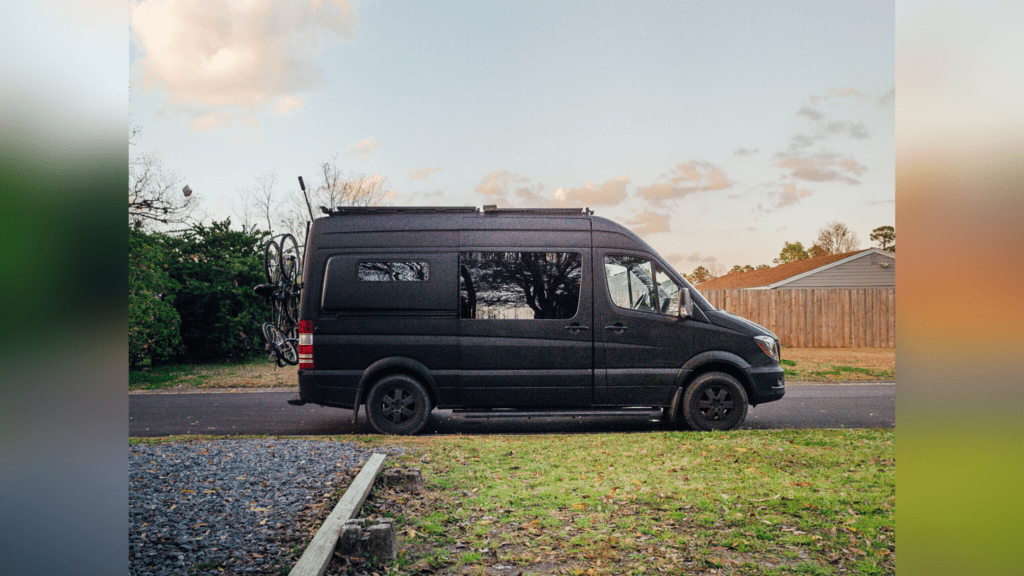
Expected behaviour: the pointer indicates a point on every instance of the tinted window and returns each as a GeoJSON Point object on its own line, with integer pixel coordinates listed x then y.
{"type": "Point", "coordinates": [394, 272]}
{"type": "Point", "coordinates": [640, 284]}
{"type": "Point", "coordinates": [519, 285]}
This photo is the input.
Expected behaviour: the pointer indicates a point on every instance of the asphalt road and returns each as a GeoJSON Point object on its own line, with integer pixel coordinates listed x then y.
{"type": "Point", "coordinates": [267, 412]}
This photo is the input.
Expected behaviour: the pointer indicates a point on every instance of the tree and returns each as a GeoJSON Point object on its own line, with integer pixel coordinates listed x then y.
{"type": "Point", "coordinates": [153, 193]}
{"type": "Point", "coordinates": [699, 275]}
{"type": "Point", "coordinates": [791, 252]}
{"type": "Point", "coordinates": [259, 205]}
{"type": "Point", "coordinates": [737, 268]}
{"type": "Point", "coordinates": [333, 190]}
{"type": "Point", "coordinates": [885, 236]}
{"type": "Point", "coordinates": [837, 238]}
{"type": "Point", "coordinates": [816, 251]}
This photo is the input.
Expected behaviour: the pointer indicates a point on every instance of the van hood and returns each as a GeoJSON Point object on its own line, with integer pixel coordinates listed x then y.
{"type": "Point", "coordinates": [738, 323]}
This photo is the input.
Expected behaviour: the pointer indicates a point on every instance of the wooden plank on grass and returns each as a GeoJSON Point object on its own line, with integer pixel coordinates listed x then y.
{"type": "Point", "coordinates": [318, 554]}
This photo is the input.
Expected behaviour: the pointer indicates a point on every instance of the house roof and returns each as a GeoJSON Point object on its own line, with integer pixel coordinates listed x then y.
{"type": "Point", "coordinates": [770, 277]}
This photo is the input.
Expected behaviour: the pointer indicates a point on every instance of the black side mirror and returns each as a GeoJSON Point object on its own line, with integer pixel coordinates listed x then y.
{"type": "Point", "coordinates": [686, 304]}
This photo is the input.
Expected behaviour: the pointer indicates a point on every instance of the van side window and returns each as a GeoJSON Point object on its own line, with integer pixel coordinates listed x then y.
{"type": "Point", "coordinates": [394, 272]}
{"type": "Point", "coordinates": [519, 285]}
{"type": "Point", "coordinates": [640, 284]}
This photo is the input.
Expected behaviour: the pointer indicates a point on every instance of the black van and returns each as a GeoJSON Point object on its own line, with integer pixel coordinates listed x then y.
{"type": "Point", "coordinates": [512, 312]}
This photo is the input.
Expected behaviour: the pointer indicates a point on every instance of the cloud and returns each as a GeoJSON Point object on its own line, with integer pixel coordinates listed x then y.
{"type": "Point", "coordinates": [648, 222]}
{"type": "Point", "coordinates": [364, 148]}
{"type": "Point", "coordinates": [823, 167]}
{"type": "Point", "coordinates": [500, 184]}
{"type": "Point", "coordinates": [790, 195]}
{"type": "Point", "coordinates": [286, 104]}
{"type": "Point", "coordinates": [216, 59]}
{"type": "Point", "coordinates": [422, 173]}
{"type": "Point", "coordinates": [852, 129]}
{"type": "Point", "coordinates": [609, 193]}
{"type": "Point", "coordinates": [810, 113]}
{"type": "Point", "coordinates": [844, 92]}
{"type": "Point", "coordinates": [745, 152]}
{"type": "Point", "coordinates": [887, 98]}
{"type": "Point", "coordinates": [505, 188]}
{"type": "Point", "coordinates": [684, 179]}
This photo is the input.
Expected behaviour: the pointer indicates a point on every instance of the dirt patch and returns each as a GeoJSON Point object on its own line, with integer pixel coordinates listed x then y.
{"type": "Point", "coordinates": [839, 364]}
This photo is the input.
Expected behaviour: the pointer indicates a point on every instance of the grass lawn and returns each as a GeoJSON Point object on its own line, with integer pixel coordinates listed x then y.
{"type": "Point", "coordinates": [745, 502]}
{"type": "Point", "coordinates": [801, 364]}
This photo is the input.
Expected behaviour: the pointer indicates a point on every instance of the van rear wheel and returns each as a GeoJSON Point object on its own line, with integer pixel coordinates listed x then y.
{"type": "Point", "coordinates": [398, 404]}
{"type": "Point", "coordinates": [715, 401]}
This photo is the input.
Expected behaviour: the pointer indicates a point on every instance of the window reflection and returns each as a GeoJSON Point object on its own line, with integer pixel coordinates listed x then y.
{"type": "Point", "coordinates": [519, 285]}
{"type": "Point", "coordinates": [394, 272]}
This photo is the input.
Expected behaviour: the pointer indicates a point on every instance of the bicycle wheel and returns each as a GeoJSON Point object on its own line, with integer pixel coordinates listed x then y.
{"type": "Point", "coordinates": [291, 310]}
{"type": "Point", "coordinates": [290, 265]}
{"type": "Point", "coordinates": [272, 262]}
{"type": "Point", "coordinates": [282, 348]}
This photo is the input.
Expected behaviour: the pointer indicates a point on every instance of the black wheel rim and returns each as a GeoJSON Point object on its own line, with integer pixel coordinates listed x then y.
{"type": "Point", "coordinates": [398, 406]}
{"type": "Point", "coordinates": [716, 403]}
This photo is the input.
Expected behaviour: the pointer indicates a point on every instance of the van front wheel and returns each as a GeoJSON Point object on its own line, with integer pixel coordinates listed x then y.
{"type": "Point", "coordinates": [398, 404]}
{"type": "Point", "coordinates": [715, 401]}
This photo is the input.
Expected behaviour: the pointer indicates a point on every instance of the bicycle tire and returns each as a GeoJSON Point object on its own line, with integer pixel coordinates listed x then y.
{"type": "Point", "coordinates": [282, 348]}
{"type": "Point", "coordinates": [291, 309]}
{"type": "Point", "coordinates": [272, 262]}
{"type": "Point", "coordinates": [291, 265]}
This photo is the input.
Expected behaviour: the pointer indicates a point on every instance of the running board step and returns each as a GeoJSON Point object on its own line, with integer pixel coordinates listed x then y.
{"type": "Point", "coordinates": [635, 413]}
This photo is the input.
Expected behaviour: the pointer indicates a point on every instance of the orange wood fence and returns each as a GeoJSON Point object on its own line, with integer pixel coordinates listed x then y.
{"type": "Point", "coordinates": [818, 318]}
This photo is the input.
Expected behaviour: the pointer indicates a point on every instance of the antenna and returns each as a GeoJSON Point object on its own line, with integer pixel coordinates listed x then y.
{"type": "Point", "coordinates": [308, 206]}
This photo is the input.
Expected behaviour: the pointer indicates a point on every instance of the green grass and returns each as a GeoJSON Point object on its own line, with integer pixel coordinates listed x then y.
{"type": "Point", "coordinates": [169, 376]}
{"type": "Point", "coordinates": [753, 502]}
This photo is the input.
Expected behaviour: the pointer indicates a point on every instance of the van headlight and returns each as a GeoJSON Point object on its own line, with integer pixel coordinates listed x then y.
{"type": "Point", "coordinates": [769, 346]}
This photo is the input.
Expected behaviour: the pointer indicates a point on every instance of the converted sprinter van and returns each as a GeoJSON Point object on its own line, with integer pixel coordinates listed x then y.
{"type": "Point", "coordinates": [501, 312]}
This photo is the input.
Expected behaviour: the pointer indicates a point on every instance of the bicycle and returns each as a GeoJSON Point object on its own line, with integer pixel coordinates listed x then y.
{"type": "Point", "coordinates": [282, 265]}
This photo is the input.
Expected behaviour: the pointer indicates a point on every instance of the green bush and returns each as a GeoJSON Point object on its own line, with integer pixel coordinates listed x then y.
{"type": "Point", "coordinates": [216, 268]}
{"type": "Point", "coordinates": [153, 323]}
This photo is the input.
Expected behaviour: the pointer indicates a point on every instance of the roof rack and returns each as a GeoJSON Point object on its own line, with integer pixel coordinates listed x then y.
{"type": "Point", "coordinates": [492, 209]}
{"type": "Point", "coordinates": [400, 210]}
{"type": "Point", "coordinates": [488, 209]}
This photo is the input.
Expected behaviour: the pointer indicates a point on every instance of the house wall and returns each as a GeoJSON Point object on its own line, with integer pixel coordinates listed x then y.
{"type": "Point", "coordinates": [864, 272]}
{"type": "Point", "coordinates": [817, 318]}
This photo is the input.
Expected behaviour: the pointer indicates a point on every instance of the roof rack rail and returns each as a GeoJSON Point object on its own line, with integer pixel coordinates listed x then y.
{"type": "Point", "coordinates": [399, 210]}
{"type": "Point", "coordinates": [492, 209]}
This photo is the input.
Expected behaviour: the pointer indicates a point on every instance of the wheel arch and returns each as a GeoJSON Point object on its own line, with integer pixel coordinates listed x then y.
{"type": "Point", "coordinates": [716, 361]}
{"type": "Point", "coordinates": [393, 365]}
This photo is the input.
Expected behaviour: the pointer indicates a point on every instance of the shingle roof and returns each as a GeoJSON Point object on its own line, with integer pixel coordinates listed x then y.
{"type": "Point", "coordinates": [767, 276]}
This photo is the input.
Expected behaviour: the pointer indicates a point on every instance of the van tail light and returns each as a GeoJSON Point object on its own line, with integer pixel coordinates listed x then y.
{"type": "Point", "coordinates": [305, 344]}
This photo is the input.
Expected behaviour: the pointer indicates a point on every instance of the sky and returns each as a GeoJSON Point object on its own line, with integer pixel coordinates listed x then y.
{"type": "Point", "coordinates": [716, 131]}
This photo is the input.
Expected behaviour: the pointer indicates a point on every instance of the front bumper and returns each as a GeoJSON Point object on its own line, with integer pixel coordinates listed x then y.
{"type": "Point", "coordinates": [767, 384]}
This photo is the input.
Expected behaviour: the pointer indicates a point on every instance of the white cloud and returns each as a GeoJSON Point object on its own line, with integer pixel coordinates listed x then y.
{"type": "Point", "coordinates": [689, 178]}
{"type": "Point", "coordinates": [649, 222]}
{"type": "Point", "coordinates": [228, 58]}
{"type": "Point", "coordinates": [364, 148]}
{"type": "Point", "coordinates": [609, 193]}
{"type": "Point", "coordinates": [823, 167]}
{"type": "Point", "coordinates": [422, 173]}
{"type": "Point", "coordinates": [286, 104]}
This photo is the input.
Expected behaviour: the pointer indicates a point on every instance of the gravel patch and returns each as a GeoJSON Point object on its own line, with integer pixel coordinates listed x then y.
{"type": "Point", "coordinates": [227, 507]}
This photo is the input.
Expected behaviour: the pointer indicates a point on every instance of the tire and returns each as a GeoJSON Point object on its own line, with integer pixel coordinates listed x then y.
{"type": "Point", "coordinates": [290, 265]}
{"type": "Point", "coordinates": [272, 262]}
{"type": "Point", "coordinates": [398, 404]}
{"type": "Point", "coordinates": [282, 349]}
{"type": "Point", "coordinates": [714, 401]}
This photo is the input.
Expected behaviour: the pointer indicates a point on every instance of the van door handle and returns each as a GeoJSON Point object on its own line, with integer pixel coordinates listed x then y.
{"type": "Point", "coordinates": [577, 328]}
{"type": "Point", "coordinates": [618, 328]}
